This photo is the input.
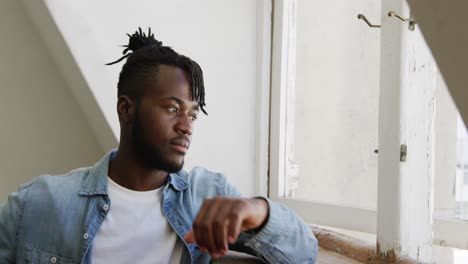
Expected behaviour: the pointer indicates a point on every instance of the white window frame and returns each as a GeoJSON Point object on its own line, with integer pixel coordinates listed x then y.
{"type": "Point", "coordinates": [363, 220]}
{"type": "Point", "coordinates": [447, 232]}
{"type": "Point", "coordinates": [264, 31]}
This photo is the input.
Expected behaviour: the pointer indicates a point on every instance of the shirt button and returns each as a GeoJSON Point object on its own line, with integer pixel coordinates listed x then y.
{"type": "Point", "coordinates": [85, 235]}
{"type": "Point", "coordinates": [105, 207]}
{"type": "Point", "coordinates": [257, 245]}
{"type": "Point", "coordinates": [53, 260]}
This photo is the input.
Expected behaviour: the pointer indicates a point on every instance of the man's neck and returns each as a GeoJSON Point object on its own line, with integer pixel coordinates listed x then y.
{"type": "Point", "coordinates": [126, 171]}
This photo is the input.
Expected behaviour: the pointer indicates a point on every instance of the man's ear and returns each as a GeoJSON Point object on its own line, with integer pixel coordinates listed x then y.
{"type": "Point", "coordinates": [126, 108]}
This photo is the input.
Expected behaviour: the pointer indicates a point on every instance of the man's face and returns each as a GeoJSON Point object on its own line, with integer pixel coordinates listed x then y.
{"type": "Point", "coordinates": [163, 121]}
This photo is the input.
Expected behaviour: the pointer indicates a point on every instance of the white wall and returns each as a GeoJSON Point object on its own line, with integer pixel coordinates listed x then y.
{"type": "Point", "coordinates": [220, 35]}
{"type": "Point", "coordinates": [43, 130]}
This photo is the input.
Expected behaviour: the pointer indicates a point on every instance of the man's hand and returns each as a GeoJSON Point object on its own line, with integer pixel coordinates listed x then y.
{"type": "Point", "coordinates": [221, 220]}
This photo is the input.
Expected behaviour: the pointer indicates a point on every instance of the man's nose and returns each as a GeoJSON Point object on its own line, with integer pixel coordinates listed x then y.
{"type": "Point", "coordinates": [184, 125]}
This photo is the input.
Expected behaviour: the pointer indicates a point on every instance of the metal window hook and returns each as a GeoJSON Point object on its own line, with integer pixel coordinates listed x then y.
{"type": "Point", "coordinates": [411, 21]}
{"type": "Point", "coordinates": [363, 17]}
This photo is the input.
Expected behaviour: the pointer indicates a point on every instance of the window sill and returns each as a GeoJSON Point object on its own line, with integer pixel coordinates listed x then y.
{"type": "Point", "coordinates": [357, 249]}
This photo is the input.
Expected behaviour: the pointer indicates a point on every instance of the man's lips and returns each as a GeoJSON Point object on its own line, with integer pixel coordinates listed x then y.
{"type": "Point", "coordinates": [180, 144]}
{"type": "Point", "coordinates": [179, 148]}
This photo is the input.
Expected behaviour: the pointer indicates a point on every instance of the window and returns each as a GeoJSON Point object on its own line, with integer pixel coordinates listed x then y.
{"type": "Point", "coordinates": [327, 104]}
{"type": "Point", "coordinates": [450, 189]}
{"type": "Point", "coordinates": [344, 155]}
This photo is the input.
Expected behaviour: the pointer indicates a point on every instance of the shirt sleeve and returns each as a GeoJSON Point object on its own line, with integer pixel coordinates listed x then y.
{"type": "Point", "coordinates": [285, 238]}
{"type": "Point", "coordinates": [10, 215]}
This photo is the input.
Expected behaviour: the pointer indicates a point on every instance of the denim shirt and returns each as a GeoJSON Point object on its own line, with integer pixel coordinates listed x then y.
{"type": "Point", "coordinates": [54, 219]}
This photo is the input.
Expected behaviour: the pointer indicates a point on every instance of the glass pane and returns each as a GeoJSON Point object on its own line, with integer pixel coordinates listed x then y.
{"type": "Point", "coordinates": [451, 158]}
{"type": "Point", "coordinates": [335, 113]}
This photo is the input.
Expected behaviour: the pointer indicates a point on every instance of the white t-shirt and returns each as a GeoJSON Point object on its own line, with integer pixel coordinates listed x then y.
{"type": "Point", "coordinates": [135, 230]}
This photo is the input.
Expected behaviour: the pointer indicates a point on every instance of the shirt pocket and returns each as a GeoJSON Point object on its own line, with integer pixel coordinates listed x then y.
{"type": "Point", "coordinates": [35, 256]}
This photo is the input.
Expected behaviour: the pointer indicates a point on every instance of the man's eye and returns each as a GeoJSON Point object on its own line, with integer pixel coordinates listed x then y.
{"type": "Point", "coordinates": [194, 117]}
{"type": "Point", "coordinates": [172, 109]}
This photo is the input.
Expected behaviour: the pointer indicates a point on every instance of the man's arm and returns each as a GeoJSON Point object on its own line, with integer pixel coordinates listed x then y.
{"type": "Point", "coordinates": [255, 226]}
{"type": "Point", "coordinates": [284, 238]}
{"type": "Point", "coordinates": [9, 221]}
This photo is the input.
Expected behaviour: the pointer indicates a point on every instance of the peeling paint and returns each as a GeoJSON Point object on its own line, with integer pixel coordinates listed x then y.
{"type": "Point", "coordinates": [386, 256]}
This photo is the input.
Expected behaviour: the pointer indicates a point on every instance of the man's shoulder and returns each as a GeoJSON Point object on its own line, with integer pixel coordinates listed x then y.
{"type": "Point", "coordinates": [207, 183]}
{"type": "Point", "coordinates": [201, 175]}
{"type": "Point", "coordinates": [50, 183]}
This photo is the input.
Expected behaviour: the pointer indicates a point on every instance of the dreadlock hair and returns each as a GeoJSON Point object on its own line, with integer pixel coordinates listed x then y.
{"type": "Point", "coordinates": [143, 62]}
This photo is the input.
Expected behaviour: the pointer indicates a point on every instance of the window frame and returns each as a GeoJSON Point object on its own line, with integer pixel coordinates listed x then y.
{"type": "Point", "coordinates": [446, 232]}
{"type": "Point", "coordinates": [340, 216]}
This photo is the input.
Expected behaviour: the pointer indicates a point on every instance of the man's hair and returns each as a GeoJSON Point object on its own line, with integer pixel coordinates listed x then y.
{"type": "Point", "coordinates": [143, 63]}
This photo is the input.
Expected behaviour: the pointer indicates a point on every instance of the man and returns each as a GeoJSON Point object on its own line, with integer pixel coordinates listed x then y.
{"type": "Point", "coordinates": [137, 205]}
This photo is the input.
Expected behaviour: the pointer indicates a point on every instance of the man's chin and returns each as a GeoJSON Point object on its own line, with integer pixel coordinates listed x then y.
{"type": "Point", "coordinates": [154, 163]}
{"type": "Point", "coordinates": [173, 167]}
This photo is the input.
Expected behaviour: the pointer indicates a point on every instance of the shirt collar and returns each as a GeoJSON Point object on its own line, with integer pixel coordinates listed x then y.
{"type": "Point", "coordinates": [179, 181]}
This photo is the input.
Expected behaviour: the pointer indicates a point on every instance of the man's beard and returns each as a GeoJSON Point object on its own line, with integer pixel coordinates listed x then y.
{"type": "Point", "coordinates": [150, 156]}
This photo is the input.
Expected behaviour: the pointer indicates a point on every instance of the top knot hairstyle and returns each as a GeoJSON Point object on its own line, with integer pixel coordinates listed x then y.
{"type": "Point", "coordinates": [143, 62]}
